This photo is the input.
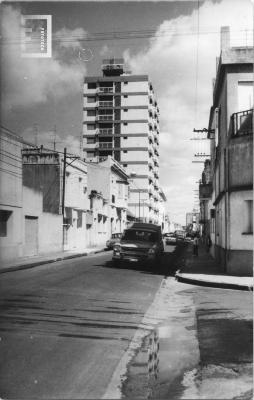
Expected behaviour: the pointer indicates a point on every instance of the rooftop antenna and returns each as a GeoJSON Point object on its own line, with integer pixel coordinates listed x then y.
{"type": "Point", "coordinates": [36, 135]}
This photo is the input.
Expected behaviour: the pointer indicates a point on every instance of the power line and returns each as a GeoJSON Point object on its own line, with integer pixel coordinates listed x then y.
{"type": "Point", "coordinates": [12, 158]}
{"type": "Point", "coordinates": [8, 154]}
{"type": "Point", "coordinates": [30, 144]}
{"type": "Point", "coordinates": [12, 165]}
{"type": "Point", "coordinates": [11, 173]}
{"type": "Point", "coordinates": [124, 35]}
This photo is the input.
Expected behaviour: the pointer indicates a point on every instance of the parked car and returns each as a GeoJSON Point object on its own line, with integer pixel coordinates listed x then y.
{"type": "Point", "coordinates": [141, 243]}
{"type": "Point", "coordinates": [115, 238]}
{"type": "Point", "coordinates": [170, 238]}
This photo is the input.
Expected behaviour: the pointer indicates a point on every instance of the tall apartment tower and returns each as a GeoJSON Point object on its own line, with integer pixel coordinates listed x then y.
{"type": "Point", "coordinates": [121, 119]}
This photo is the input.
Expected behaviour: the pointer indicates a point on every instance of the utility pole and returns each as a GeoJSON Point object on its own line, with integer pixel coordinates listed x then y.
{"type": "Point", "coordinates": [64, 177]}
{"type": "Point", "coordinates": [54, 141]}
{"type": "Point", "coordinates": [139, 205]}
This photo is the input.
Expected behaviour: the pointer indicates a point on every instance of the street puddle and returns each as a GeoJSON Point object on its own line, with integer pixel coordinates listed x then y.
{"type": "Point", "coordinates": [158, 370]}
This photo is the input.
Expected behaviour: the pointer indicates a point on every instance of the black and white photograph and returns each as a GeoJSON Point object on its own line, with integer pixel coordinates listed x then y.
{"type": "Point", "coordinates": [126, 199]}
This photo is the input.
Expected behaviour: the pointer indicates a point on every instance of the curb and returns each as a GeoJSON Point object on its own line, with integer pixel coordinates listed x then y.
{"type": "Point", "coordinates": [221, 285]}
{"type": "Point", "coordinates": [49, 261]}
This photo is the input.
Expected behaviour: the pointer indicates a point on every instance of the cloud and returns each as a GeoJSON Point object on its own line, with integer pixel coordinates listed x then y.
{"type": "Point", "coordinates": [29, 81]}
{"type": "Point", "coordinates": [181, 66]}
{"type": "Point", "coordinates": [70, 38]}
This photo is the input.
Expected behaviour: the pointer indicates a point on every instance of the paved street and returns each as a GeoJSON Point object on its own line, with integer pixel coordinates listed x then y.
{"type": "Point", "coordinates": [75, 328]}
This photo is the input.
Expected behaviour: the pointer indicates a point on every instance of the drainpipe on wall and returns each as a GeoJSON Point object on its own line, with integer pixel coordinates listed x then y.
{"type": "Point", "coordinates": [63, 191]}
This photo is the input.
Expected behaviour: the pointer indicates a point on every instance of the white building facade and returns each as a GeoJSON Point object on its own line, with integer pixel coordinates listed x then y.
{"type": "Point", "coordinates": [121, 120]}
{"type": "Point", "coordinates": [109, 179]}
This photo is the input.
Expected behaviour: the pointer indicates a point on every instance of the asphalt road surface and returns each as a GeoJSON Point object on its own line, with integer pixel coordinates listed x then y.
{"type": "Point", "coordinates": [82, 329]}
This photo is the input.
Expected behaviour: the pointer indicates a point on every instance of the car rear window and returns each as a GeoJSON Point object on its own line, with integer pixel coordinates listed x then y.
{"type": "Point", "coordinates": [140, 235]}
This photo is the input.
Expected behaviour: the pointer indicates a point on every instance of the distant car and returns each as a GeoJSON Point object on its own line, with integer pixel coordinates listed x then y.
{"type": "Point", "coordinates": [141, 243]}
{"type": "Point", "coordinates": [115, 238]}
{"type": "Point", "coordinates": [170, 238]}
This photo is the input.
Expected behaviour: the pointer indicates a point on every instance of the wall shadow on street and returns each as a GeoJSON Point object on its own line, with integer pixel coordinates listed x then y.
{"type": "Point", "coordinates": [170, 263]}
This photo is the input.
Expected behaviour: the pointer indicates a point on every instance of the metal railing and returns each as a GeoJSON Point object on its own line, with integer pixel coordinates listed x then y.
{"type": "Point", "coordinates": [242, 123]}
{"type": "Point", "coordinates": [105, 103]}
{"type": "Point", "coordinates": [105, 132]}
{"type": "Point", "coordinates": [105, 145]}
{"type": "Point", "coordinates": [105, 89]}
{"type": "Point", "coordinates": [105, 117]}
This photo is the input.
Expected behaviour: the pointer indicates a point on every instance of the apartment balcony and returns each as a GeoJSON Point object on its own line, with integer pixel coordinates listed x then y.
{"type": "Point", "coordinates": [105, 145]}
{"type": "Point", "coordinates": [242, 123]}
{"type": "Point", "coordinates": [90, 132]}
{"type": "Point", "coordinates": [91, 146]}
{"type": "Point", "coordinates": [151, 96]}
{"type": "Point", "coordinates": [150, 175]}
{"type": "Point", "coordinates": [156, 140]}
{"type": "Point", "coordinates": [156, 185]}
{"type": "Point", "coordinates": [150, 135]}
{"type": "Point", "coordinates": [150, 163]}
{"type": "Point", "coordinates": [105, 132]}
{"type": "Point", "coordinates": [156, 162]}
{"type": "Point", "coordinates": [105, 90]}
{"type": "Point", "coordinates": [150, 150]}
{"type": "Point", "coordinates": [105, 117]}
{"type": "Point", "coordinates": [105, 104]}
{"type": "Point", "coordinates": [151, 123]}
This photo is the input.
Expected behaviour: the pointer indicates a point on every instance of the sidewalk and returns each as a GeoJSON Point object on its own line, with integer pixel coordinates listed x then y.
{"type": "Point", "coordinates": [204, 271]}
{"type": "Point", "coordinates": [34, 261]}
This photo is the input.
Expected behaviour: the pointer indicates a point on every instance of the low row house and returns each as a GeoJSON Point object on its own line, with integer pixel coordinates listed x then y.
{"type": "Point", "coordinates": [11, 197]}
{"type": "Point", "coordinates": [110, 178]}
{"type": "Point", "coordinates": [229, 203]}
{"type": "Point", "coordinates": [50, 203]}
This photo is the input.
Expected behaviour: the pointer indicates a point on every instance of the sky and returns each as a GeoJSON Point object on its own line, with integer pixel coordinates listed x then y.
{"type": "Point", "coordinates": [175, 42]}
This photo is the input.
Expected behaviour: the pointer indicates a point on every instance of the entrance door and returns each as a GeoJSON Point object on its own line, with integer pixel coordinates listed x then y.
{"type": "Point", "coordinates": [31, 236]}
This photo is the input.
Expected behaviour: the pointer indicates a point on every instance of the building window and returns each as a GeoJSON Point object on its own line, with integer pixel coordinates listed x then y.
{"type": "Point", "coordinates": [90, 154]}
{"type": "Point", "coordinates": [126, 83]}
{"type": "Point", "coordinates": [79, 219]}
{"type": "Point", "coordinates": [91, 85]}
{"type": "Point", "coordinates": [91, 127]}
{"type": "Point", "coordinates": [90, 140]}
{"type": "Point", "coordinates": [91, 113]}
{"type": "Point", "coordinates": [125, 96]}
{"type": "Point", "coordinates": [91, 99]}
{"type": "Point", "coordinates": [125, 123]}
{"type": "Point", "coordinates": [248, 214]}
{"type": "Point", "coordinates": [125, 110]}
{"type": "Point", "coordinates": [4, 216]}
{"type": "Point", "coordinates": [245, 95]}
{"type": "Point", "coordinates": [113, 198]}
{"type": "Point", "coordinates": [125, 151]}
{"type": "Point", "coordinates": [125, 137]}
{"type": "Point", "coordinates": [125, 165]}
